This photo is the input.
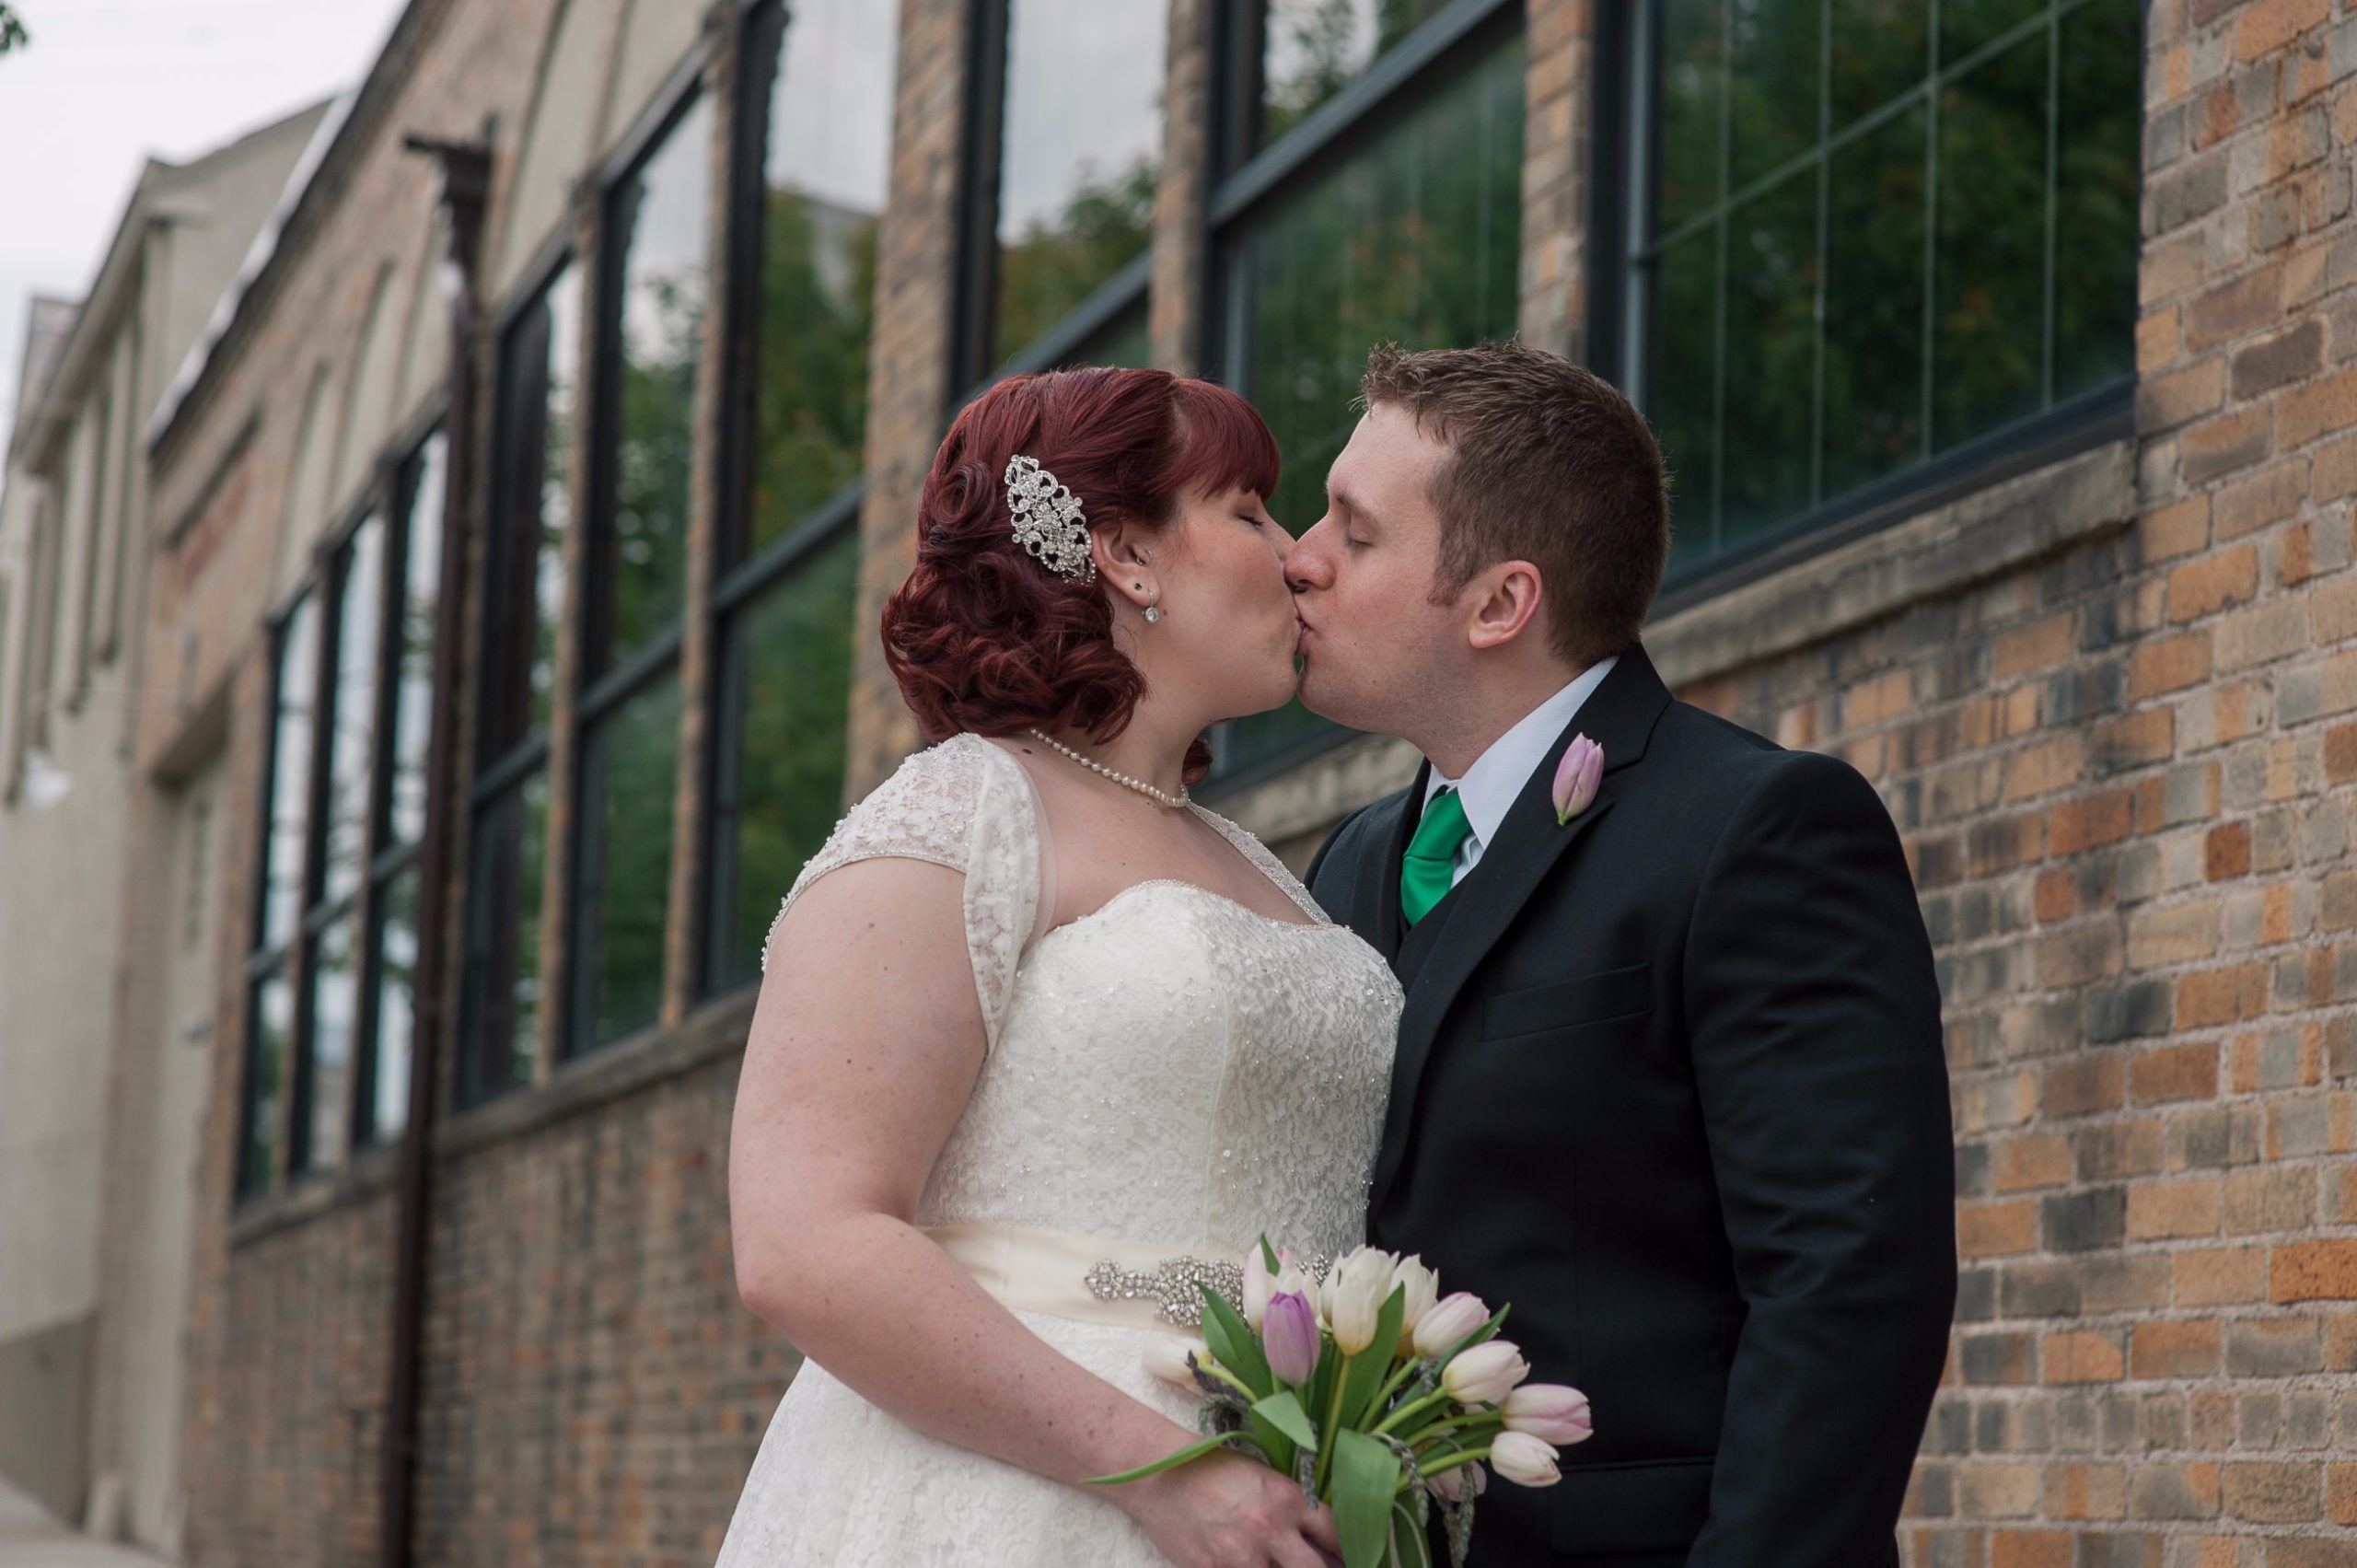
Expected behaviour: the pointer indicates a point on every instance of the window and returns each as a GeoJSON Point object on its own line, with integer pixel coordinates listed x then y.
{"type": "Point", "coordinates": [1874, 234]}
{"type": "Point", "coordinates": [1069, 112]}
{"type": "Point", "coordinates": [651, 343]}
{"type": "Point", "coordinates": [538, 424]}
{"type": "Point", "coordinates": [1379, 198]}
{"type": "Point", "coordinates": [327, 1032]}
{"type": "Point", "coordinates": [810, 190]}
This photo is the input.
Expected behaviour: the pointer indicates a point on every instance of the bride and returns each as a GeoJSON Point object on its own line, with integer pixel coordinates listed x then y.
{"type": "Point", "coordinates": [1041, 1042]}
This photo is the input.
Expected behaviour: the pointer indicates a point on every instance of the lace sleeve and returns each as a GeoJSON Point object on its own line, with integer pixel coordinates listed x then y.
{"type": "Point", "coordinates": [963, 805]}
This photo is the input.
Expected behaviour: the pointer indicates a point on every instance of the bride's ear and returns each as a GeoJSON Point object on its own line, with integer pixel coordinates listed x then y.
{"type": "Point", "coordinates": [1124, 556]}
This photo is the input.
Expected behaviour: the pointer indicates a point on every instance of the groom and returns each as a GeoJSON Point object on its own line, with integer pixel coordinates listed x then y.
{"type": "Point", "coordinates": [1669, 1076]}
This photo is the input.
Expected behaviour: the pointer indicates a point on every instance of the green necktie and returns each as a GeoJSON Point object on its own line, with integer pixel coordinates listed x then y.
{"type": "Point", "coordinates": [1431, 861]}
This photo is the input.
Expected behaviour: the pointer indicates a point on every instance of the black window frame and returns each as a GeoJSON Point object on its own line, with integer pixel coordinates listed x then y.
{"type": "Point", "coordinates": [387, 500]}
{"type": "Point", "coordinates": [1625, 135]}
{"type": "Point", "coordinates": [973, 322]}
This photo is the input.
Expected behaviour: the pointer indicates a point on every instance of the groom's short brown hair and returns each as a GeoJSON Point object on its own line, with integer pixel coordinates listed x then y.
{"type": "Point", "coordinates": [1548, 463]}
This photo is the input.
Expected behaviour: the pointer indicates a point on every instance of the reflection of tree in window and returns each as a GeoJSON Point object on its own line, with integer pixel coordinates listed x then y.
{"type": "Point", "coordinates": [1080, 145]}
{"type": "Point", "coordinates": [1313, 49]}
{"type": "Point", "coordinates": [818, 285]}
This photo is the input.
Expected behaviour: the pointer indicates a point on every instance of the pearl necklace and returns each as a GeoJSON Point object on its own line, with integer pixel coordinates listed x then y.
{"type": "Point", "coordinates": [1123, 779]}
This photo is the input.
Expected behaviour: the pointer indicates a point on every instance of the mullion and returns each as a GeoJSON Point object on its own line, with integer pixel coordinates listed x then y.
{"type": "Point", "coordinates": [1824, 227]}
{"type": "Point", "coordinates": [1930, 228]}
{"type": "Point", "coordinates": [2053, 139]}
{"type": "Point", "coordinates": [749, 579]}
{"type": "Point", "coordinates": [1720, 280]}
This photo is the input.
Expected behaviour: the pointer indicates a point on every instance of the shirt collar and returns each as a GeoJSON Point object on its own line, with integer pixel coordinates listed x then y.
{"type": "Point", "coordinates": [1492, 784]}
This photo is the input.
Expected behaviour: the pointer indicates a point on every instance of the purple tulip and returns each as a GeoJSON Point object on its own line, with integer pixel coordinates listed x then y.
{"type": "Point", "coordinates": [1576, 777]}
{"type": "Point", "coordinates": [1289, 1333]}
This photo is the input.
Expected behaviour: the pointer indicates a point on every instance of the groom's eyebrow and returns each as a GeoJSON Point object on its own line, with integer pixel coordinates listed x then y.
{"type": "Point", "coordinates": [1338, 496]}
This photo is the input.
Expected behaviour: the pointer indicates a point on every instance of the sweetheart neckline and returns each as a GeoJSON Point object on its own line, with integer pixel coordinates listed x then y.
{"type": "Point", "coordinates": [1319, 923]}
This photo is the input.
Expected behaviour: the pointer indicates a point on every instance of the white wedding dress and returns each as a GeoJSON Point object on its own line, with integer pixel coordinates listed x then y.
{"type": "Point", "coordinates": [1170, 1075]}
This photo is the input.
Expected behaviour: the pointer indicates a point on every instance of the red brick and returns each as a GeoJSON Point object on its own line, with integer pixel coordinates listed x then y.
{"type": "Point", "coordinates": [2077, 1089]}
{"type": "Point", "coordinates": [2226, 850]}
{"type": "Point", "coordinates": [2183, 528]}
{"type": "Point", "coordinates": [2076, 826]}
{"type": "Point", "coordinates": [2318, 409]}
{"type": "Point", "coordinates": [2222, 445]}
{"type": "Point", "coordinates": [2174, 1072]}
{"type": "Point", "coordinates": [2037, 1159]}
{"type": "Point", "coordinates": [2170, 664]}
{"type": "Point", "coordinates": [1990, 1230]}
{"type": "Point", "coordinates": [2030, 1549]}
{"type": "Point", "coordinates": [2221, 996]}
{"type": "Point", "coordinates": [2271, 24]}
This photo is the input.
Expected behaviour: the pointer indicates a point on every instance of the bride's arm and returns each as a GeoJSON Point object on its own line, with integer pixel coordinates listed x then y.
{"type": "Point", "coordinates": [865, 1047]}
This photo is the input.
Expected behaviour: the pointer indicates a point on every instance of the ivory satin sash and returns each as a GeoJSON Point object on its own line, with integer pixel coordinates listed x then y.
{"type": "Point", "coordinates": [1033, 1269]}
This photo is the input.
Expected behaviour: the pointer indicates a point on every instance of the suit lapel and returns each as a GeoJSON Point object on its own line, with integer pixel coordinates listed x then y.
{"type": "Point", "coordinates": [1374, 903]}
{"type": "Point", "coordinates": [1619, 717]}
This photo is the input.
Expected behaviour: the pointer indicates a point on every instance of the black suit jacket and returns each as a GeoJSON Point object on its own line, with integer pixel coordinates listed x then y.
{"type": "Point", "coordinates": [1671, 1080]}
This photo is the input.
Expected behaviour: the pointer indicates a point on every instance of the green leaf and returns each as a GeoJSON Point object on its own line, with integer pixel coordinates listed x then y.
{"type": "Point", "coordinates": [1414, 1547]}
{"type": "Point", "coordinates": [1191, 1452]}
{"type": "Point", "coordinates": [1365, 1372]}
{"type": "Point", "coordinates": [1268, 1255]}
{"type": "Point", "coordinates": [1283, 1410]}
{"type": "Point", "coordinates": [1234, 1344]}
{"type": "Point", "coordinates": [1360, 1490]}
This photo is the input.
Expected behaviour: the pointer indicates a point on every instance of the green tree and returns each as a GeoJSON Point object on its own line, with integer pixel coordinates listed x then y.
{"type": "Point", "coordinates": [12, 31]}
{"type": "Point", "coordinates": [1053, 267]}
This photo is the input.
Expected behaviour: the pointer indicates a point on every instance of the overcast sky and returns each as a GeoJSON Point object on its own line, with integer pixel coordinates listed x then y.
{"type": "Point", "coordinates": [106, 83]}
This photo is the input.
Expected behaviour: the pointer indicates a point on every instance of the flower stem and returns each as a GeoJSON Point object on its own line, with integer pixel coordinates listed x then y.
{"type": "Point", "coordinates": [1333, 1419]}
{"type": "Point", "coordinates": [1467, 1458]}
{"type": "Point", "coordinates": [1409, 1411]}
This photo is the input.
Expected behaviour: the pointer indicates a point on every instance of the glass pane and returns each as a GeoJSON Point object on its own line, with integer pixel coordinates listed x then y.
{"type": "Point", "coordinates": [335, 1015]}
{"type": "Point", "coordinates": [1693, 76]}
{"type": "Point", "coordinates": [270, 1026]}
{"type": "Point", "coordinates": [539, 427]}
{"type": "Point", "coordinates": [1879, 50]}
{"type": "Point", "coordinates": [1769, 394]}
{"type": "Point", "coordinates": [1778, 49]}
{"type": "Point", "coordinates": [420, 589]}
{"type": "Point", "coordinates": [394, 1023]}
{"type": "Point", "coordinates": [1313, 49]}
{"type": "Point", "coordinates": [1986, 354]}
{"type": "Point", "coordinates": [290, 772]}
{"type": "Point", "coordinates": [1123, 340]}
{"type": "Point", "coordinates": [824, 182]}
{"type": "Point", "coordinates": [792, 654]}
{"type": "Point", "coordinates": [630, 769]}
{"type": "Point", "coordinates": [1413, 240]}
{"type": "Point", "coordinates": [506, 861]}
{"type": "Point", "coordinates": [1079, 148]}
{"type": "Point", "coordinates": [360, 596]}
{"type": "Point", "coordinates": [2096, 164]}
{"type": "Point", "coordinates": [1873, 305]}
{"type": "Point", "coordinates": [664, 276]}
{"type": "Point", "coordinates": [1682, 388]}
{"type": "Point", "coordinates": [1968, 25]}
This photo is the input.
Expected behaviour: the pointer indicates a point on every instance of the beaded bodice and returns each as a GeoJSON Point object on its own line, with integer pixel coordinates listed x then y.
{"type": "Point", "coordinates": [1172, 1067]}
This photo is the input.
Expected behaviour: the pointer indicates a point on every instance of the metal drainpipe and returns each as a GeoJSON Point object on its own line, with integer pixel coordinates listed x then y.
{"type": "Point", "coordinates": [466, 182]}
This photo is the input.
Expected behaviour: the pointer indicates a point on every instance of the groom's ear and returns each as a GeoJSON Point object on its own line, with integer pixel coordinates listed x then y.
{"type": "Point", "coordinates": [1503, 601]}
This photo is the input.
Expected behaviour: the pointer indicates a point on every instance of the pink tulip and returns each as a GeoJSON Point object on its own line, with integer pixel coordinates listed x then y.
{"type": "Point", "coordinates": [1485, 1374]}
{"type": "Point", "coordinates": [1576, 777]}
{"type": "Point", "coordinates": [1289, 1333]}
{"type": "Point", "coordinates": [1550, 1413]}
{"type": "Point", "coordinates": [1523, 1459]}
{"type": "Point", "coordinates": [1451, 1484]}
{"type": "Point", "coordinates": [1456, 1316]}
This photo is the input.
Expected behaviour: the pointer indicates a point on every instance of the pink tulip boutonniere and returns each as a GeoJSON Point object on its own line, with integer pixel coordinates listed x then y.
{"type": "Point", "coordinates": [1576, 777]}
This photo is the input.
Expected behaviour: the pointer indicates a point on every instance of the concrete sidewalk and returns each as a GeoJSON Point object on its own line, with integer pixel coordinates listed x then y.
{"type": "Point", "coordinates": [32, 1537]}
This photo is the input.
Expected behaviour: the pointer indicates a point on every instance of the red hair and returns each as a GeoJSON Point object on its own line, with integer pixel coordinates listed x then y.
{"type": "Point", "coordinates": [981, 636]}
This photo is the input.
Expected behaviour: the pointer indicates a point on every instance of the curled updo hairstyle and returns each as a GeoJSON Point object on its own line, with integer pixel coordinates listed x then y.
{"type": "Point", "coordinates": [982, 636]}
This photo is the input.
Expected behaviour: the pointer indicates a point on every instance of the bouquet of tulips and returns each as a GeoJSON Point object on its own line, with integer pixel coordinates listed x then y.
{"type": "Point", "coordinates": [1380, 1396]}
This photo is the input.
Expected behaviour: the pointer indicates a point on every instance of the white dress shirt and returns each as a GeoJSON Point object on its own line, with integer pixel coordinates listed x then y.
{"type": "Point", "coordinates": [1492, 784]}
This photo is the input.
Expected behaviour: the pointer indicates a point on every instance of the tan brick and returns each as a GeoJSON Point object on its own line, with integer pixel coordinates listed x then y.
{"type": "Point", "coordinates": [2172, 1491]}
{"type": "Point", "coordinates": [2174, 1349]}
{"type": "Point", "coordinates": [2234, 308]}
{"type": "Point", "coordinates": [2271, 1491]}
{"type": "Point", "coordinates": [2314, 1270]}
{"type": "Point", "coordinates": [2039, 646]}
{"type": "Point", "coordinates": [2270, 25]}
{"type": "Point", "coordinates": [2341, 1493]}
{"type": "Point", "coordinates": [2333, 613]}
{"type": "Point", "coordinates": [2261, 1200]}
{"type": "Point", "coordinates": [2077, 1089]}
{"type": "Point", "coordinates": [2030, 1549]}
{"type": "Point", "coordinates": [2318, 409]}
{"type": "Point", "coordinates": [2340, 753]}
{"type": "Point", "coordinates": [2033, 1160]}
{"type": "Point", "coordinates": [2268, 496]}
{"type": "Point", "coordinates": [2223, 1276]}
{"type": "Point", "coordinates": [1994, 1491]}
{"type": "Point", "coordinates": [2334, 472]}
{"type": "Point", "coordinates": [2045, 768]}
{"type": "Point", "coordinates": [2229, 442]}
{"type": "Point", "coordinates": [2157, 340]}
{"type": "Point", "coordinates": [1991, 1230]}
{"type": "Point", "coordinates": [2169, 1210]}
{"type": "Point", "coordinates": [2167, 400]}
{"type": "Point", "coordinates": [2076, 826]}
{"type": "Point", "coordinates": [2075, 1490]}
{"type": "Point", "coordinates": [2182, 528]}
{"type": "Point", "coordinates": [2205, 586]}
{"type": "Point", "coordinates": [2169, 664]}
{"type": "Point", "coordinates": [2221, 996]}
{"type": "Point", "coordinates": [2164, 936]}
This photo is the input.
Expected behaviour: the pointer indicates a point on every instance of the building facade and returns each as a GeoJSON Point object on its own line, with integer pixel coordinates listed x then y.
{"type": "Point", "coordinates": [521, 529]}
{"type": "Point", "coordinates": [98, 1131]}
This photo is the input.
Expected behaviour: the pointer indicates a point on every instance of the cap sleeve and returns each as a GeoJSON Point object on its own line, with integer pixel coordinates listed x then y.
{"type": "Point", "coordinates": [964, 805]}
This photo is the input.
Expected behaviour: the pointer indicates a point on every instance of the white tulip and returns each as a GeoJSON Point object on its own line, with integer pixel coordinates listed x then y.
{"type": "Point", "coordinates": [1423, 1288]}
{"type": "Point", "coordinates": [1165, 1358]}
{"type": "Point", "coordinates": [1353, 1296]}
{"type": "Point", "coordinates": [1448, 1321]}
{"type": "Point", "coordinates": [1486, 1373]}
{"type": "Point", "coordinates": [1258, 1287]}
{"type": "Point", "coordinates": [1523, 1459]}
